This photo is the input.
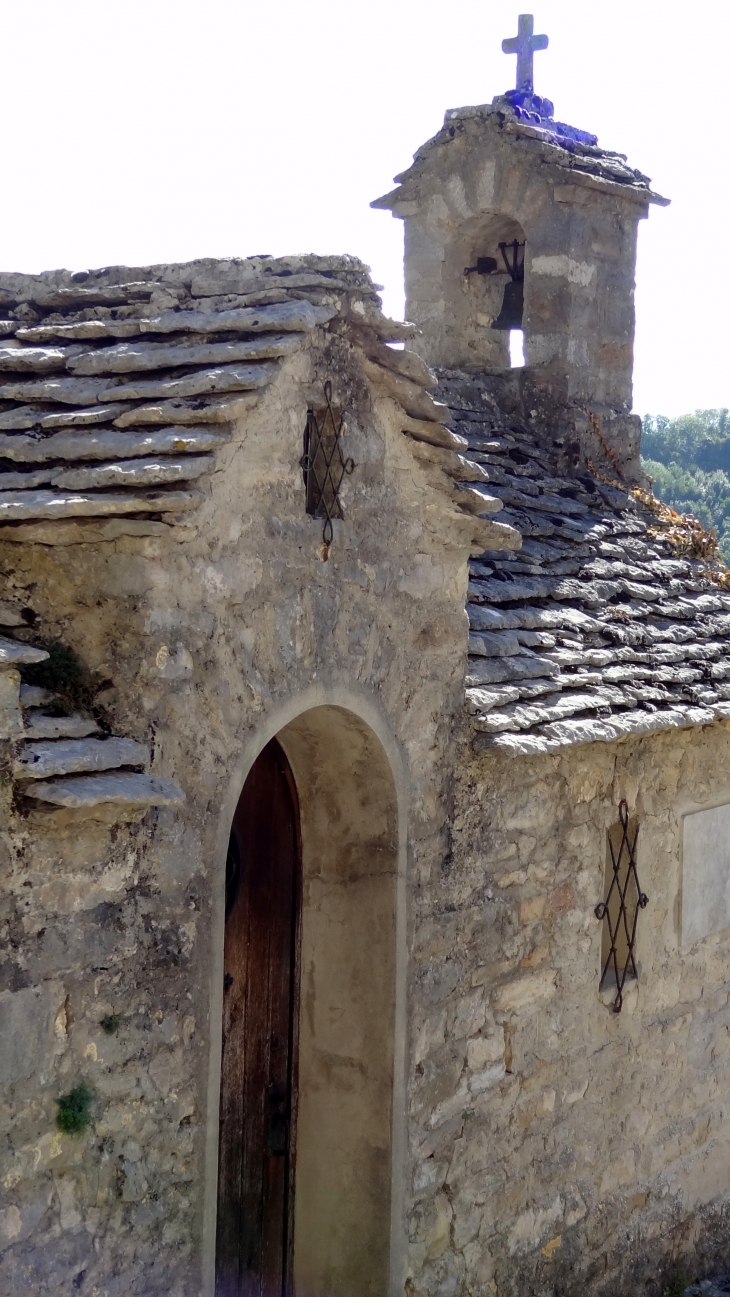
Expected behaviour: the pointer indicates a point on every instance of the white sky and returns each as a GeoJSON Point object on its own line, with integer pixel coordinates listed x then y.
{"type": "Point", "coordinates": [159, 130]}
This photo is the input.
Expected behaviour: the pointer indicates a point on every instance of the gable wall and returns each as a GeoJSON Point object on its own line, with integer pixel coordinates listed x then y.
{"type": "Point", "coordinates": [211, 640]}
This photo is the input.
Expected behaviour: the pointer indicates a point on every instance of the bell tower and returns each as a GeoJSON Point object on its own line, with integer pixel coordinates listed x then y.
{"type": "Point", "coordinates": [516, 221]}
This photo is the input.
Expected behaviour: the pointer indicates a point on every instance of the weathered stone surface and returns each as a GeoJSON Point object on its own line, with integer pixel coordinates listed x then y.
{"type": "Point", "coordinates": [25, 481]}
{"type": "Point", "coordinates": [11, 614]}
{"type": "Point", "coordinates": [26, 1030]}
{"type": "Point", "coordinates": [34, 360]}
{"type": "Point", "coordinates": [14, 506]}
{"type": "Point", "coordinates": [484, 699]}
{"type": "Point", "coordinates": [92, 530]}
{"type": "Point", "coordinates": [123, 789]}
{"type": "Point", "coordinates": [226, 378]}
{"type": "Point", "coordinates": [296, 317]}
{"type": "Point", "coordinates": [405, 363]}
{"type": "Point", "coordinates": [67, 391]}
{"type": "Point", "coordinates": [81, 418]}
{"type": "Point", "coordinates": [84, 330]}
{"type": "Point", "coordinates": [477, 500]}
{"type": "Point", "coordinates": [497, 670]}
{"type": "Point", "coordinates": [136, 357]}
{"type": "Point", "coordinates": [186, 412]}
{"type": "Point", "coordinates": [133, 472]}
{"type": "Point", "coordinates": [29, 416]}
{"type": "Point", "coordinates": [434, 434]}
{"type": "Point", "coordinates": [525, 991]}
{"type": "Point", "coordinates": [79, 296]}
{"type": "Point", "coordinates": [38, 726]}
{"type": "Point", "coordinates": [509, 591]}
{"type": "Point", "coordinates": [495, 534]}
{"type": "Point", "coordinates": [12, 652]}
{"type": "Point", "coordinates": [110, 444]}
{"type": "Point", "coordinates": [454, 465]}
{"type": "Point", "coordinates": [548, 503]}
{"type": "Point", "coordinates": [34, 696]}
{"type": "Point", "coordinates": [410, 396]}
{"type": "Point", "coordinates": [66, 757]}
{"type": "Point", "coordinates": [489, 645]}
{"type": "Point", "coordinates": [523, 716]}
{"type": "Point", "coordinates": [11, 717]}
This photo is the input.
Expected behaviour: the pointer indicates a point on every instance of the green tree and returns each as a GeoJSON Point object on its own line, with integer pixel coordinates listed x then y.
{"type": "Point", "coordinates": [689, 461]}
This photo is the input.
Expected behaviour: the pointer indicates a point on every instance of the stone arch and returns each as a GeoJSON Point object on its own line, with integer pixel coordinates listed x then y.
{"type": "Point", "coordinates": [348, 1194]}
{"type": "Point", "coordinates": [478, 297]}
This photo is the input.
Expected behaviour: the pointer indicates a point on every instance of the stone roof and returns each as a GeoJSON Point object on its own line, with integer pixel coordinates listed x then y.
{"type": "Point", "coordinates": [581, 161]}
{"type": "Point", "coordinates": [596, 628]}
{"type": "Point", "coordinates": [118, 385]}
{"type": "Point", "coordinates": [69, 762]}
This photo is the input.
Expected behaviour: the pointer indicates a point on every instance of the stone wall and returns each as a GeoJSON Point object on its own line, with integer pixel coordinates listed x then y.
{"type": "Point", "coordinates": [553, 1147]}
{"type": "Point", "coordinates": [560, 1147]}
{"type": "Point", "coordinates": [206, 640]}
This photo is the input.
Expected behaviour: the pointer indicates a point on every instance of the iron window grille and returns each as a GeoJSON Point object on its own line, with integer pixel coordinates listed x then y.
{"type": "Point", "coordinates": [620, 910]}
{"type": "Point", "coordinates": [324, 464]}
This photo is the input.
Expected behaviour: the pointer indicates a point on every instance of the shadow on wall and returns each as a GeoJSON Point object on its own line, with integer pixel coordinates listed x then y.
{"type": "Point", "coordinates": [348, 812]}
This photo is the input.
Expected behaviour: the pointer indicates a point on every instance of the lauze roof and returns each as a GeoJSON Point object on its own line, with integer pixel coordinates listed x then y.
{"type": "Point", "coordinates": [596, 628]}
{"type": "Point", "coordinates": [116, 386]}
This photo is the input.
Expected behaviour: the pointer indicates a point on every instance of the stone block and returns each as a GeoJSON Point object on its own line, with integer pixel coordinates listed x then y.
{"type": "Point", "coordinates": [525, 991]}
{"type": "Point", "coordinates": [11, 717]}
{"type": "Point", "coordinates": [26, 1031]}
{"type": "Point", "coordinates": [72, 756]}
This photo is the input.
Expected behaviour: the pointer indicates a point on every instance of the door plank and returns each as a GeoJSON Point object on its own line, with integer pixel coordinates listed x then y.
{"type": "Point", "coordinates": [259, 1031]}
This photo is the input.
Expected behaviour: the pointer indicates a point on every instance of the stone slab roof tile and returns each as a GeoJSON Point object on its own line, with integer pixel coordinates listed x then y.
{"type": "Point", "coordinates": [629, 637]}
{"type": "Point", "coordinates": [166, 346]}
{"type": "Point", "coordinates": [57, 760]}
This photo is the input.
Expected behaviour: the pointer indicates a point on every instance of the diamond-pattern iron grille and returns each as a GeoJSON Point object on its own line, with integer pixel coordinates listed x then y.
{"type": "Point", "coordinates": [620, 910]}
{"type": "Point", "coordinates": [324, 464]}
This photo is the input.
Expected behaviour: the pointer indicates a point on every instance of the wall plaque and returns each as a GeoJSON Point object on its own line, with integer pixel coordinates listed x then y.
{"type": "Point", "coordinates": [705, 873]}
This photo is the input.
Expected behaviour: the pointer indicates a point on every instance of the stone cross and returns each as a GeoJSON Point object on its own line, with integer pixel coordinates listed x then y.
{"type": "Point", "coordinates": [524, 45]}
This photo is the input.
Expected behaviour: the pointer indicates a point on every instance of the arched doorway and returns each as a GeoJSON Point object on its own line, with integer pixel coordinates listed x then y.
{"type": "Point", "coordinates": [343, 1017]}
{"type": "Point", "coordinates": [259, 1051]}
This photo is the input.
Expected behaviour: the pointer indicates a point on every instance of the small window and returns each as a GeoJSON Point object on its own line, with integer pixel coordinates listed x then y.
{"type": "Point", "coordinates": [619, 911]}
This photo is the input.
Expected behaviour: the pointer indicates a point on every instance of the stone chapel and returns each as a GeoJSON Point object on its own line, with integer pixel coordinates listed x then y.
{"type": "Point", "coordinates": [365, 903]}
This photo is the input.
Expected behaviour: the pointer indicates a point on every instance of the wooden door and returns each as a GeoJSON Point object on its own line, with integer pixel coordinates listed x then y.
{"type": "Point", "coordinates": [261, 993]}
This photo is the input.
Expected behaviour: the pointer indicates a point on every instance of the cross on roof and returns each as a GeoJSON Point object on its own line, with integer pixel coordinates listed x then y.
{"type": "Point", "coordinates": [524, 45]}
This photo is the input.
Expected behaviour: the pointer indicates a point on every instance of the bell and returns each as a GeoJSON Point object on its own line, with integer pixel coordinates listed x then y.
{"type": "Point", "coordinates": [510, 317]}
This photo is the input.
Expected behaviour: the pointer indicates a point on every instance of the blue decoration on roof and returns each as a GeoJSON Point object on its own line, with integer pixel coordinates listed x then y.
{"type": "Point", "coordinates": [528, 107]}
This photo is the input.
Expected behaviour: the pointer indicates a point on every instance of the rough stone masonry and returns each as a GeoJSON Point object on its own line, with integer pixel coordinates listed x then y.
{"type": "Point", "coordinates": [501, 646]}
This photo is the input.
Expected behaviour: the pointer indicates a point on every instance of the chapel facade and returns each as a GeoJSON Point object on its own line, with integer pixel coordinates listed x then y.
{"type": "Point", "coordinates": [366, 780]}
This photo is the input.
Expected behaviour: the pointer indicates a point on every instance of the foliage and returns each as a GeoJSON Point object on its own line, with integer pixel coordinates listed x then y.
{"type": "Point", "coordinates": [73, 1110]}
{"type": "Point", "coordinates": [678, 1284]}
{"type": "Point", "coordinates": [699, 440]}
{"type": "Point", "coordinates": [689, 460]}
{"type": "Point", "coordinates": [65, 676]}
{"type": "Point", "coordinates": [111, 1023]}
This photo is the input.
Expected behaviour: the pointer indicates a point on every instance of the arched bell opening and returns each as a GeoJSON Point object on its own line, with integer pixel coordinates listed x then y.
{"type": "Point", "coordinates": [492, 260]}
{"type": "Point", "coordinates": [326, 790]}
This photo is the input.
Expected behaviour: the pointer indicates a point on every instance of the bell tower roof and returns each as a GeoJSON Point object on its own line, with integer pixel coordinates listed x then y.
{"type": "Point", "coordinates": [528, 115]}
